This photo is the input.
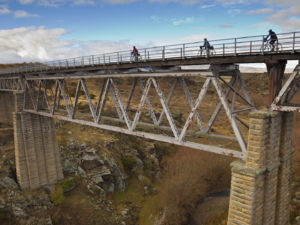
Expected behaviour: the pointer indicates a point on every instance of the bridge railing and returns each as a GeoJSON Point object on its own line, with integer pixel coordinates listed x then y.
{"type": "Point", "coordinates": [251, 45]}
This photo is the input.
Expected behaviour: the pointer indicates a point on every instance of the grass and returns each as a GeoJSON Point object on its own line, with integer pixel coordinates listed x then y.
{"type": "Point", "coordinates": [135, 194]}
{"type": "Point", "coordinates": [57, 196]}
{"type": "Point", "coordinates": [219, 218]}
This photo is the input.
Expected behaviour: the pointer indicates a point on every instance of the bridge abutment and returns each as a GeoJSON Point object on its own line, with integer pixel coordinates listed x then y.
{"type": "Point", "coordinates": [36, 149]}
{"type": "Point", "coordinates": [260, 186]}
{"type": "Point", "coordinates": [6, 109]}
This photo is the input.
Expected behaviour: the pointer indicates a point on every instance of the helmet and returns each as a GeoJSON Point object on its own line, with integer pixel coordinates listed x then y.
{"type": "Point", "coordinates": [270, 30]}
{"type": "Point", "coordinates": [205, 39]}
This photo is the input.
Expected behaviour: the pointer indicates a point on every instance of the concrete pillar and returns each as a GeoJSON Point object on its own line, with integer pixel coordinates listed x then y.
{"type": "Point", "coordinates": [285, 170]}
{"type": "Point", "coordinates": [260, 186]}
{"type": "Point", "coordinates": [36, 149]}
{"type": "Point", "coordinates": [247, 182]}
{"type": "Point", "coordinates": [272, 165]}
{"type": "Point", "coordinates": [6, 107]}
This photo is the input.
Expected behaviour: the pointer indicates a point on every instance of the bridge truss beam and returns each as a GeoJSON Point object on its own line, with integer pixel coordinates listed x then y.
{"type": "Point", "coordinates": [52, 97]}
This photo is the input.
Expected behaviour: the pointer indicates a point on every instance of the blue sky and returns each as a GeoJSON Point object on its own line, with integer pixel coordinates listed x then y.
{"type": "Point", "coordinates": [49, 29]}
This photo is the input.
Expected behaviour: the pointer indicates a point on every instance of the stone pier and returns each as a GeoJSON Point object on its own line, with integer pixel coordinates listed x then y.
{"type": "Point", "coordinates": [260, 186]}
{"type": "Point", "coordinates": [36, 149]}
{"type": "Point", "coordinates": [6, 107]}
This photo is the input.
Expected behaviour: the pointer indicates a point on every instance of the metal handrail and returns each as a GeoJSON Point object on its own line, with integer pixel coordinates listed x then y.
{"type": "Point", "coordinates": [290, 42]}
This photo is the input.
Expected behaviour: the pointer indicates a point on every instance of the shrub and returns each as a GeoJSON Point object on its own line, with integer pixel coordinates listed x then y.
{"type": "Point", "coordinates": [128, 162]}
{"type": "Point", "coordinates": [92, 96]}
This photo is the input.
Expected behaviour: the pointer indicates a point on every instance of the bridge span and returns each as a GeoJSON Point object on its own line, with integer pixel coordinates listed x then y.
{"type": "Point", "coordinates": [154, 97]}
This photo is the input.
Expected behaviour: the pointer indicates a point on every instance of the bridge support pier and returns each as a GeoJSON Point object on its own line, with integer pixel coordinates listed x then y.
{"type": "Point", "coordinates": [6, 109]}
{"type": "Point", "coordinates": [36, 149]}
{"type": "Point", "coordinates": [275, 73]}
{"type": "Point", "coordinates": [260, 186]}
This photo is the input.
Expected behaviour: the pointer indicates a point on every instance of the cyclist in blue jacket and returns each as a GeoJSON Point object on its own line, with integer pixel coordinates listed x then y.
{"type": "Point", "coordinates": [273, 38]}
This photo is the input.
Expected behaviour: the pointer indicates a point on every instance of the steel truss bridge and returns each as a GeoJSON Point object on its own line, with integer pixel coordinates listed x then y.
{"type": "Point", "coordinates": [154, 97]}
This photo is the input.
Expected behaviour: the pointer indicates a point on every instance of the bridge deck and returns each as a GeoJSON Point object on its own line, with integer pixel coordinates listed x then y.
{"type": "Point", "coordinates": [237, 50]}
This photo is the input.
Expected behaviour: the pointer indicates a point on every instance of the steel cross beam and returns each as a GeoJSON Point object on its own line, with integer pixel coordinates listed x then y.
{"type": "Point", "coordinates": [54, 99]}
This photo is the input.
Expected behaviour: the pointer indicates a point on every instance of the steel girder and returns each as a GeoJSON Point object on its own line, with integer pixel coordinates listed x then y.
{"type": "Point", "coordinates": [53, 98]}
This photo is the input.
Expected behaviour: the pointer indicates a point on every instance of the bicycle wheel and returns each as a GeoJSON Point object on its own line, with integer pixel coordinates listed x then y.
{"type": "Point", "coordinates": [265, 47]}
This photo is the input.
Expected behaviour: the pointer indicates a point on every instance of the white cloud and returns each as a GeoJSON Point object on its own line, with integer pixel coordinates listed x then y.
{"type": "Point", "coordinates": [260, 11]}
{"type": "Point", "coordinates": [207, 6]}
{"type": "Point", "coordinates": [23, 14]}
{"type": "Point", "coordinates": [177, 22]}
{"type": "Point", "coordinates": [41, 44]}
{"type": "Point", "coordinates": [155, 18]}
{"type": "Point", "coordinates": [187, 2]}
{"type": "Point", "coordinates": [4, 10]}
{"type": "Point", "coordinates": [84, 2]}
{"type": "Point", "coordinates": [17, 14]}
{"type": "Point", "coordinates": [120, 1]}
{"type": "Point", "coordinates": [25, 2]}
{"type": "Point", "coordinates": [225, 26]}
{"type": "Point", "coordinates": [194, 38]}
{"type": "Point", "coordinates": [234, 12]}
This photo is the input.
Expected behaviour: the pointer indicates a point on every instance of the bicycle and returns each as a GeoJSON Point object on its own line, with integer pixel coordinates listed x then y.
{"type": "Point", "coordinates": [210, 51]}
{"type": "Point", "coordinates": [268, 47]}
{"type": "Point", "coordinates": [135, 57]}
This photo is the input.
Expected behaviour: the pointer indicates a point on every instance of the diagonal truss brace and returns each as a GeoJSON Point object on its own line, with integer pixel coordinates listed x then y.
{"type": "Point", "coordinates": [287, 92]}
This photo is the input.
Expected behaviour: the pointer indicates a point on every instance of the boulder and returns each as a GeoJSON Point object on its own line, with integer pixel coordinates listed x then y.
{"type": "Point", "coordinates": [111, 188]}
{"type": "Point", "coordinates": [69, 167]}
{"type": "Point", "coordinates": [8, 183]}
{"type": "Point", "coordinates": [90, 161]}
{"type": "Point", "coordinates": [97, 179]}
{"type": "Point", "coordinates": [2, 203]}
{"type": "Point", "coordinates": [18, 211]}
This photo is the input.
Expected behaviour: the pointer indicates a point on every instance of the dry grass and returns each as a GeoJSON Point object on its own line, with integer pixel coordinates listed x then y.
{"type": "Point", "coordinates": [188, 175]}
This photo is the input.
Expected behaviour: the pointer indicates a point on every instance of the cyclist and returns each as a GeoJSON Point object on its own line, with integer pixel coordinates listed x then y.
{"type": "Point", "coordinates": [206, 46]}
{"type": "Point", "coordinates": [272, 40]}
{"type": "Point", "coordinates": [135, 53]}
